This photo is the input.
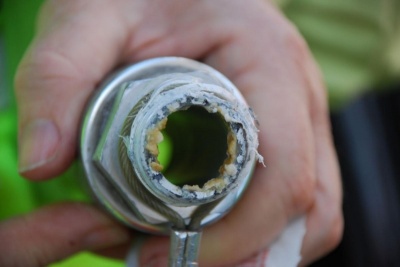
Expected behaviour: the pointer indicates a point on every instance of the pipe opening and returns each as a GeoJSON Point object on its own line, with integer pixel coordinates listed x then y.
{"type": "Point", "coordinates": [194, 147]}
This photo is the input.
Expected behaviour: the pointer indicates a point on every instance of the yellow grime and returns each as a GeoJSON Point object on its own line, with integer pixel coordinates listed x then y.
{"type": "Point", "coordinates": [217, 184]}
{"type": "Point", "coordinates": [154, 137]}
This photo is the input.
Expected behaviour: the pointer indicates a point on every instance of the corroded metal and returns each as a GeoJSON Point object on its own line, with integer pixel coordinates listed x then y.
{"type": "Point", "coordinates": [123, 127]}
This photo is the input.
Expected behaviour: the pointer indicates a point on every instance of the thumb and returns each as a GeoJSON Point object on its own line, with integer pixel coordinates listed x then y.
{"type": "Point", "coordinates": [71, 53]}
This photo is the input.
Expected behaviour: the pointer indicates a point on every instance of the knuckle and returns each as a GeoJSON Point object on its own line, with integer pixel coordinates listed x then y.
{"type": "Point", "coordinates": [302, 190]}
{"type": "Point", "coordinates": [43, 65]}
{"type": "Point", "coordinates": [334, 232]}
{"type": "Point", "coordinates": [295, 45]}
{"type": "Point", "coordinates": [312, 78]}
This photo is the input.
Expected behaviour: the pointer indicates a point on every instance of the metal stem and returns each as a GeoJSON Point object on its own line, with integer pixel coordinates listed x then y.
{"type": "Point", "coordinates": [184, 248]}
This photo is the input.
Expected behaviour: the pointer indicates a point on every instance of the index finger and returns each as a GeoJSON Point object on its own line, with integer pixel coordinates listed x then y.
{"type": "Point", "coordinates": [68, 57]}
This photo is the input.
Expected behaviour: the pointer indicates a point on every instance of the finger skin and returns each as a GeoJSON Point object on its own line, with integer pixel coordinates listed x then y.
{"type": "Point", "coordinates": [325, 221]}
{"type": "Point", "coordinates": [297, 154]}
{"type": "Point", "coordinates": [271, 65]}
{"type": "Point", "coordinates": [55, 232]}
{"type": "Point", "coordinates": [68, 57]}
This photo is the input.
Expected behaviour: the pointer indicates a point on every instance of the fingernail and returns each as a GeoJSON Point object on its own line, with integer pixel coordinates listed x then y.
{"type": "Point", "coordinates": [37, 145]}
{"type": "Point", "coordinates": [107, 237]}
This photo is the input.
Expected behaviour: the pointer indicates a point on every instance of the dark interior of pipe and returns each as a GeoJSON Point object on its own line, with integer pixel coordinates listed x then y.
{"type": "Point", "coordinates": [194, 146]}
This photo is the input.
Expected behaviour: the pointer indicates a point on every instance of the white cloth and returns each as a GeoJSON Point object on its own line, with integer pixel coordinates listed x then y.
{"type": "Point", "coordinates": [285, 252]}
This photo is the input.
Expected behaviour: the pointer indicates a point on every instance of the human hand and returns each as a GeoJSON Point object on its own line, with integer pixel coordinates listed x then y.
{"type": "Point", "coordinates": [57, 231]}
{"type": "Point", "coordinates": [79, 42]}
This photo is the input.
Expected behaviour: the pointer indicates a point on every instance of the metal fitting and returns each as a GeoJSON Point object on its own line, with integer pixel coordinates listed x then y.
{"type": "Point", "coordinates": [213, 145]}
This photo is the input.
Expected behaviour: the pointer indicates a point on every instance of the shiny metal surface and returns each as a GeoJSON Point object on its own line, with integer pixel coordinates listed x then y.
{"type": "Point", "coordinates": [184, 249]}
{"type": "Point", "coordinates": [150, 82]}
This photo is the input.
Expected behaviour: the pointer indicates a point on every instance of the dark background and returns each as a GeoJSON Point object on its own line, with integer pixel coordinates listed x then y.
{"type": "Point", "coordinates": [367, 139]}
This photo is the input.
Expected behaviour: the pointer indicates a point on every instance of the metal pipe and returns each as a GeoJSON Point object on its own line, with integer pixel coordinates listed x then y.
{"type": "Point", "coordinates": [184, 250]}
{"type": "Point", "coordinates": [121, 133]}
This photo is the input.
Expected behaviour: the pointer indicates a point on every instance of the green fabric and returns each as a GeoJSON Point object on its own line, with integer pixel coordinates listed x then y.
{"type": "Point", "coordinates": [349, 39]}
